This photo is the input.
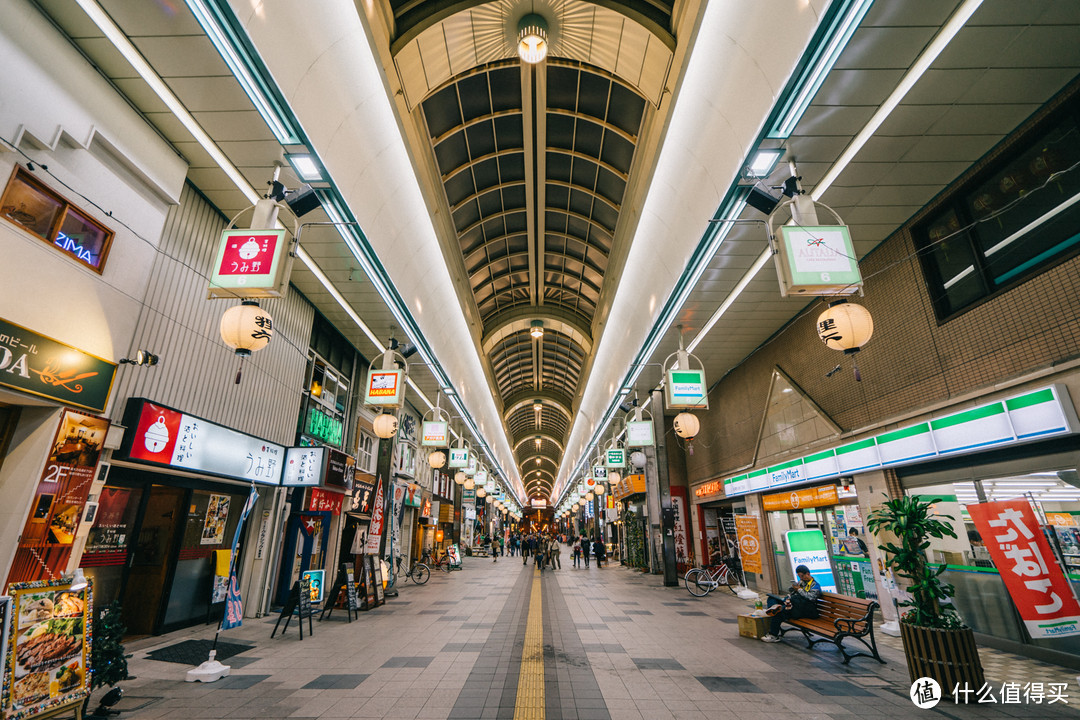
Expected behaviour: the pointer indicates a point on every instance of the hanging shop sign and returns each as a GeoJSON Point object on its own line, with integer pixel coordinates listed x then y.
{"type": "Point", "coordinates": [1033, 415]}
{"type": "Point", "coordinates": [480, 478]}
{"type": "Point", "coordinates": [46, 541]}
{"type": "Point", "coordinates": [541, 503]}
{"type": "Point", "coordinates": [434, 434]}
{"type": "Point", "coordinates": [629, 485]}
{"type": "Point", "coordinates": [686, 389]}
{"type": "Point", "coordinates": [807, 547]}
{"type": "Point", "coordinates": [615, 458]}
{"type": "Point", "coordinates": [599, 473]}
{"type": "Point", "coordinates": [817, 260]}
{"type": "Point", "coordinates": [48, 629]}
{"type": "Point", "coordinates": [324, 427]}
{"type": "Point", "coordinates": [713, 487]}
{"type": "Point", "coordinates": [821, 496]}
{"type": "Point", "coordinates": [459, 458]}
{"type": "Point", "coordinates": [471, 466]}
{"type": "Point", "coordinates": [362, 494]}
{"type": "Point", "coordinates": [375, 527]}
{"type": "Point", "coordinates": [414, 495]}
{"type": "Point", "coordinates": [304, 466]}
{"type": "Point", "coordinates": [340, 468]}
{"type": "Point", "coordinates": [250, 264]}
{"type": "Point", "coordinates": [749, 539]}
{"type": "Point", "coordinates": [639, 433]}
{"type": "Point", "coordinates": [325, 501]}
{"type": "Point", "coordinates": [1035, 582]}
{"type": "Point", "coordinates": [385, 388]}
{"type": "Point", "coordinates": [171, 438]}
{"type": "Point", "coordinates": [48, 368]}
{"type": "Point", "coordinates": [1060, 519]}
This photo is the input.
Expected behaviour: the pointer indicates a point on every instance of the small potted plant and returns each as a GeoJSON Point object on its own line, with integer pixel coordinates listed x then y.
{"type": "Point", "coordinates": [937, 644]}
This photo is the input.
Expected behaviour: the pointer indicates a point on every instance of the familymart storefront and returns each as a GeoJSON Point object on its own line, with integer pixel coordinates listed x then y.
{"type": "Point", "coordinates": [1023, 445]}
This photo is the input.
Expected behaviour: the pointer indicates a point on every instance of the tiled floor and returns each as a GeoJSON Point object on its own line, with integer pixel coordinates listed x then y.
{"type": "Point", "coordinates": [616, 645]}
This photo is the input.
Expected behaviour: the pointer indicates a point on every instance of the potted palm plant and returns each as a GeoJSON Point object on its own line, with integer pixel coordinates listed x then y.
{"type": "Point", "coordinates": [937, 644]}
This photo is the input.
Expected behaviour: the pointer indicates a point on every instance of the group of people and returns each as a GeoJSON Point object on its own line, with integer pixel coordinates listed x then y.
{"type": "Point", "coordinates": [546, 549]}
{"type": "Point", "coordinates": [583, 546]}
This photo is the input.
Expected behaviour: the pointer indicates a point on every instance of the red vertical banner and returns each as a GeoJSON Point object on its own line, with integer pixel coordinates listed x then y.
{"type": "Point", "coordinates": [1022, 555]}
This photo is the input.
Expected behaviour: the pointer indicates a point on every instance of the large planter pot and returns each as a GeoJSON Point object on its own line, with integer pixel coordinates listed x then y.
{"type": "Point", "coordinates": [948, 656]}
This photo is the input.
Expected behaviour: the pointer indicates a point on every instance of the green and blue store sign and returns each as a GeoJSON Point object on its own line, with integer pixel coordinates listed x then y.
{"type": "Point", "coordinates": [1034, 415]}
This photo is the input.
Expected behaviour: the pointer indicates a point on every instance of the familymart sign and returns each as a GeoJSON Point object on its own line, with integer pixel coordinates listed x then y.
{"type": "Point", "coordinates": [1035, 415]}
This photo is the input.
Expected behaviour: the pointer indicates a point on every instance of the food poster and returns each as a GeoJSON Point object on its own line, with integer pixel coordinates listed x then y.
{"type": "Point", "coordinates": [48, 650]}
{"type": "Point", "coordinates": [315, 579]}
{"type": "Point", "coordinates": [217, 515]}
{"type": "Point", "coordinates": [55, 513]}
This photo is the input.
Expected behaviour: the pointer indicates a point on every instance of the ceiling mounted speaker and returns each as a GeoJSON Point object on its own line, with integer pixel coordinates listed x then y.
{"type": "Point", "coordinates": [762, 200]}
{"type": "Point", "coordinates": [302, 200]}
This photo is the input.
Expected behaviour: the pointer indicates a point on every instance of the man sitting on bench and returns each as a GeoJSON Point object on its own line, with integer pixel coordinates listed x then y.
{"type": "Point", "coordinates": [800, 602]}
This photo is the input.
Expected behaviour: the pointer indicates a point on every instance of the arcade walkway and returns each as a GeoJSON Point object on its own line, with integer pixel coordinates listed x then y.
{"type": "Point", "coordinates": [501, 641]}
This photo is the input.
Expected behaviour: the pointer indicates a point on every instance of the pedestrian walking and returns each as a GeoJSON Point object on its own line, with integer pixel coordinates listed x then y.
{"type": "Point", "coordinates": [600, 552]}
{"type": "Point", "coordinates": [525, 550]}
{"type": "Point", "coordinates": [586, 548]}
{"type": "Point", "coordinates": [576, 544]}
{"type": "Point", "coordinates": [493, 548]}
{"type": "Point", "coordinates": [556, 552]}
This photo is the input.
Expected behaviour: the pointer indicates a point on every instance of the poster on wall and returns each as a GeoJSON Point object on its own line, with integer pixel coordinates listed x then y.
{"type": "Point", "coordinates": [1036, 584]}
{"type": "Point", "coordinates": [749, 538]}
{"type": "Point", "coordinates": [47, 537]}
{"type": "Point", "coordinates": [48, 647]}
{"type": "Point", "coordinates": [217, 514]}
{"type": "Point", "coordinates": [807, 547]}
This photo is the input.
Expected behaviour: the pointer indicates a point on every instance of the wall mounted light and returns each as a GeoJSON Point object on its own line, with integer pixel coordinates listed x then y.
{"type": "Point", "coordinates": [142, 357]}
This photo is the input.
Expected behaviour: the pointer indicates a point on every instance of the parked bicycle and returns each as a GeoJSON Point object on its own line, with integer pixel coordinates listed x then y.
{"type": "Point", "coordinates": [440, 563]}
{"type": "Point", "coordinates": [703, 580]}
{"type": "Point", "coordinates": [418, 573]}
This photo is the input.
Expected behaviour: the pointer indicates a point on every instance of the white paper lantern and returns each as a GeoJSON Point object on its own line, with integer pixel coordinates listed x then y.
{"type": "Point", "coordinates": [637, 459]}
{"type": "Point", "coordinates": [480, 492]}
{"type": "Point", "coordinates": [460, 477]}
{"type": "Point", "coordinates": [575, 507]}
{"type": "Point", "coordinates": [246, 328]}
{"type": "Point", "coordinates": [600, 489]}
{"type": "Point", "coordinates": [589, 497]}
{"type": "Point", "coordinates": [686, 425]}
{"type": "Point", "coordinates": [469, 484]}
{"type": "Point", "coordinates": [845, 326]}
{"type": "Point", "coordinates": [385, 425]}
{"type": "Point", "coordinates": [437, 459]}
{"type": "Point", "coordinates": [613, 477]}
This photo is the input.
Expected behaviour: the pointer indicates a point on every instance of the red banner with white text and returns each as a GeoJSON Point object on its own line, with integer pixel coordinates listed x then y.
{"type": "Point", "coordinates": [1022, 555]}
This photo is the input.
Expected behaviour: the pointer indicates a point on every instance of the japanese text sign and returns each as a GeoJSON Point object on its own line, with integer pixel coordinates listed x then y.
{"type": "Point", "coordinates": [325, 501]}
{"type": "Point", "coordinates": [303, 466]}
{"type": "Point", "coordinates": [599, 473]}
{"type": "Point", "coordinates": [39, 365]}
{"type": "Point", "coordinates": [615, 458]}
{"type": "Point", "coordinates": [165, 436]}
{"type": "Point", "coordinates": [817, 261]}
{"type": "Point", "coordinates": [434, 434]}
{"type": "Point", "coordinates": [385, 388]}
{"type": "Point", "coordinates": [375, 527]}
{"type": "Point", "coordinates": [639, 433]}
{"type": "Point", "coordinates": [459, 458]}
{"type": "Point", "coordinates": [249, 263]}
{"type": "Point", "coordinates": [1028, 567]}
{"type": "Point", "coordinates": [746, 528]}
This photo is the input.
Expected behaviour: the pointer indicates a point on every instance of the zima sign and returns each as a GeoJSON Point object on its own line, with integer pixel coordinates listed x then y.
{"type": "Point", "coordinates": [686, 389]}
{"type": "Point", "coordinates": [817, 260]}
{"type": "Point", "coordinates": [615, 458]}
{"type": "Point", "coordinates": [1028, 567]}
{"type": "Point", "coordinates": [385, 388]}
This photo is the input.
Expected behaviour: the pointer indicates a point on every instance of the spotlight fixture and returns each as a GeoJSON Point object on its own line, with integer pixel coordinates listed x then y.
{"type": "Point", "coordinates": [536, 329]}
{"type": "Point", "coordinates": [142, 357]}
{"type": "Point", "coordinates": [538, 406]}
{"type": "Point", "coordinates": [532, 38]}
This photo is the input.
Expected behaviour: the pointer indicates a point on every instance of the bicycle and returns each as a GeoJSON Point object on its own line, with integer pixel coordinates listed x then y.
{"type": "Point", "coordinates": [442, 563]}
{"type": "Point", "coordinates": [703, 580]}
{"type": "Point", "coordinates": [418, 573]}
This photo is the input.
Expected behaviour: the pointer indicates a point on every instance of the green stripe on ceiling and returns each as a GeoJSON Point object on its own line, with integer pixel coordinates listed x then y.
{"type": "Point", "coordinates": [920, 429]}
{"type": "Point", "coordinates": [1035, 398]}
{"type": "Point", "coordinates": [968, 416]}
{"type": "Point", "coordinates": [855, 447]}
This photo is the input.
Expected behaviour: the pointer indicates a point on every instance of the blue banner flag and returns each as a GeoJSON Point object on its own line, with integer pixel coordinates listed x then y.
{"type": "Point", "coordinates": [234, 609]}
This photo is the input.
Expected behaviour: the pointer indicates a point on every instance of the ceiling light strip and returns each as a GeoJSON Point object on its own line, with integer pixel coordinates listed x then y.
{"type": "Point", "coordinates": [139, 64]}
{"type": "Point", "coordinates": [745, 280]}
{"type": "Point", "coordinates": [918, 68]}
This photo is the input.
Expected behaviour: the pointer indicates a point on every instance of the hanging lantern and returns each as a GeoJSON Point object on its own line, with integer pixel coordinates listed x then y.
{"type": "Point", "coordinates": [469, 484]}
{"type": "Point", "coordinates": [845, 326]}
{"type": "Point", "coordinates": [637, 459]}
{"type": "Point", "coordinates": [600, 489]}
{"type": "Point", "coordinates": [589, 496]}
{"type": "Point", "coordinates": [686, 425]}
{"type": "Point", "coordinates": [613, 478]}
{"type": "Point", "coordinates": [575, 507]}
{"type": "Point", "coordinates": [437, 459]}
{"type": "Point", "coordinates": [246, 328]}
{"type": "Point", "coordinates": [480, 492]}
{"type": "Point", "coordinates": [460, 477]}
{"type": "Point", "coordinates": [385, 425]}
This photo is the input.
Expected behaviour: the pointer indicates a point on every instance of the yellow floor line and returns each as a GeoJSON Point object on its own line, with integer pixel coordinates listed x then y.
{"type": "Point", "coordinates": [530, 694]}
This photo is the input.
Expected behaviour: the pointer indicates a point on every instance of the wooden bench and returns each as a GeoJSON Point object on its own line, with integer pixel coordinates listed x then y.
{"type": "Point", "coordinates": [839, 617]}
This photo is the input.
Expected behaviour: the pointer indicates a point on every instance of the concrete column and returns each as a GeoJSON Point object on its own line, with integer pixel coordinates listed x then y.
{"type": "Point", "coordinates": [873, 489]}
{"type": "Point", "coordinates": [665, 521]}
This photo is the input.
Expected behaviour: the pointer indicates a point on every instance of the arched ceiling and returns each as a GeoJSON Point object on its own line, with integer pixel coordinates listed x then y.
{"type": "Point", "coordinates": [532, 167]}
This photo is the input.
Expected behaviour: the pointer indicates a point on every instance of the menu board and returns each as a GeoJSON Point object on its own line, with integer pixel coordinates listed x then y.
{"type": "Point", "coordinates": [350, 587]}
{"type": "Point", "coordinates": [367, 583]}
{"type": "Point", "coordinates": [304, 598]}
{"type": "Point", "coordinates": [376, 579]}
{"type": "Point", "coordinates": [48, 649]}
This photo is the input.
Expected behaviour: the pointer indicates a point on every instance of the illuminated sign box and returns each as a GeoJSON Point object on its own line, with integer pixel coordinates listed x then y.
{"type": "Point", "coordinates": [385, 388]}
{"type": "Point", "coordinates": [324, 427]}
{"type": "Point", "coordinates": [459, 458]}
{"type": "Point", "coordinates": [615, 458]}
{"type": "Point", "coordinates": [434, 434]}
{"type": "Point", "coordinates": [250, 264]}
{"type": "Point", "coordinates": [639, 433]}
{"type": "Point", "coordinates": [685, 389]}
{"type": "Point", "coordinates": [599, 473]}
{"type": "Point", "coordinates": [817, 260]}
{"type": "Point", "coordinates": [303, 467]}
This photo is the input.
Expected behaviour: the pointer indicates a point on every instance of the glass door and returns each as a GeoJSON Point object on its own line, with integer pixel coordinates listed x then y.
{"type": "Point", "coordinates": [149, 559]}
